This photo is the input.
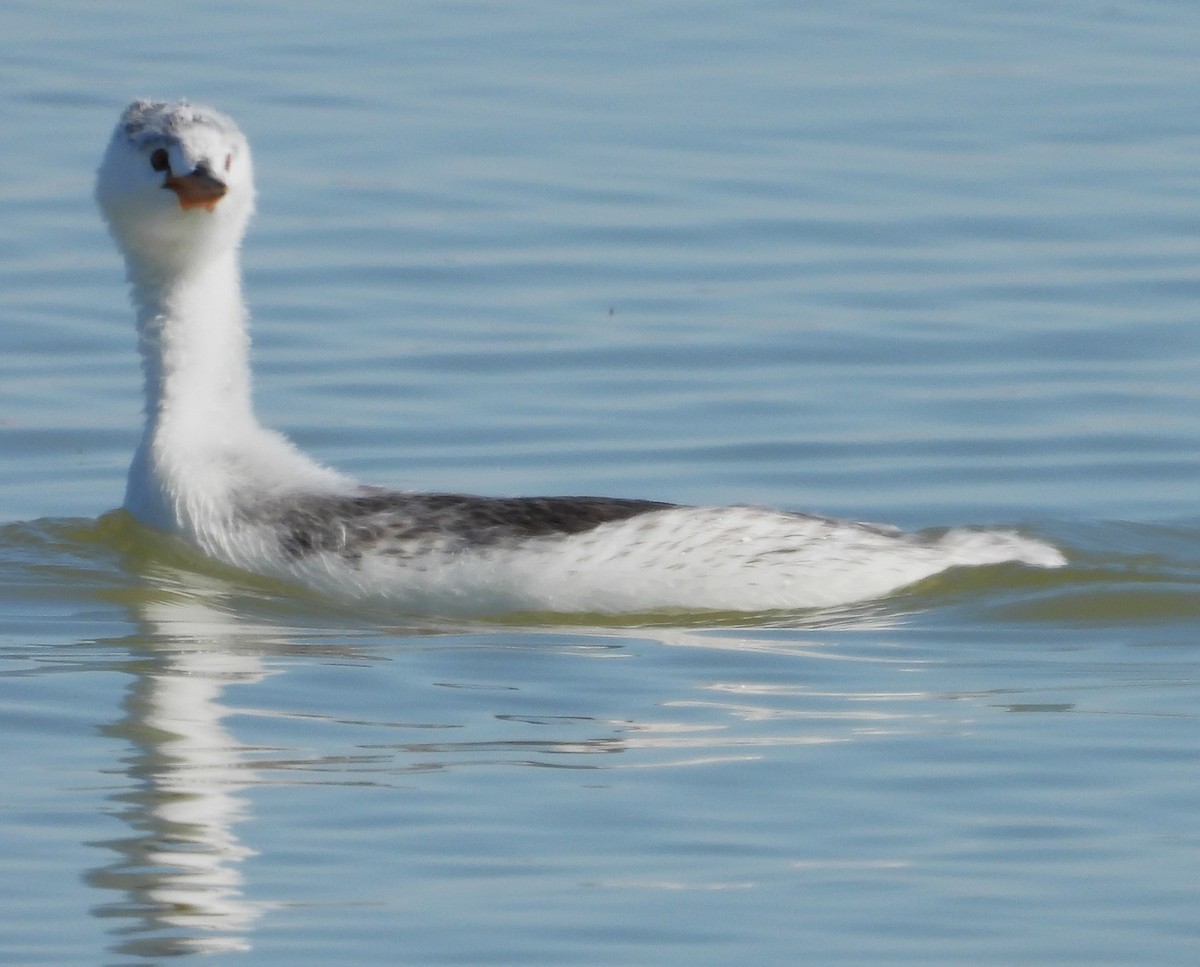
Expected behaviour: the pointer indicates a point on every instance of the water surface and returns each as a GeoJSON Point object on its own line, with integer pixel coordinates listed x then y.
{"type": "Point", "coordinates": [920, 263]}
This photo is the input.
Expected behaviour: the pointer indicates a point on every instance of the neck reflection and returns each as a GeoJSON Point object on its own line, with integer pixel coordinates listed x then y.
{"type": "Point", "coordinates": [181, 870]}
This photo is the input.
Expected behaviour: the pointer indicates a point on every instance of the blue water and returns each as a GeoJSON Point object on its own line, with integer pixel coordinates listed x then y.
{"type": "Point", "coordinates": [925, 263]}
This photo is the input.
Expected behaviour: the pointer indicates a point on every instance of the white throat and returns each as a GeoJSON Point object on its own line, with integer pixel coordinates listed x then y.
{"type": "Point", "coordinates": [203, 458]}
{"type": "Point", "coordinates": [194, 345]}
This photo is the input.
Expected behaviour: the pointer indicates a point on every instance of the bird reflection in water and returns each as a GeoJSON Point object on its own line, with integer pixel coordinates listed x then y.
{"type": "Point", "coordinates": [180, 872]}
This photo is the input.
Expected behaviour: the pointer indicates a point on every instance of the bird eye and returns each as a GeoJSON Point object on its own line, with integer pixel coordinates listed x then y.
{"type": "Point", "coordinates": [160, 160]}
{"type": "Point", "coordinates": [228, 161]}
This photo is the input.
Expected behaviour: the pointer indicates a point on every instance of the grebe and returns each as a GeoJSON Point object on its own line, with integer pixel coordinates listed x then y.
{"type": "Point", "coordinates": [176, 188]}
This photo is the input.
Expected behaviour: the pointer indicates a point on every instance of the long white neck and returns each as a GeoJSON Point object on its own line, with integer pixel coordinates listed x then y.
{"type": "Point", "coordinates": [192, 336]}
{"type": "Point", "coordinates": [203, 455]}
{"type": "Point", "coordinates": [195, 350]}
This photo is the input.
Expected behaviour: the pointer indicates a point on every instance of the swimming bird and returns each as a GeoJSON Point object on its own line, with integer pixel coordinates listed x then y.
{"type": "Point", "coordinates": [176, 188]}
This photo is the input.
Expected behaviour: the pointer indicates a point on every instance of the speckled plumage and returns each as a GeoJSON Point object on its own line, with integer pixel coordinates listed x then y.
{"type": "Point", "coordinates": [398, 524]}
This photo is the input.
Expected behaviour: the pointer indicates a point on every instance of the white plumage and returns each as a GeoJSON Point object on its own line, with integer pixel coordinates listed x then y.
{"type": "Point", "coordinates": [176, 187]}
